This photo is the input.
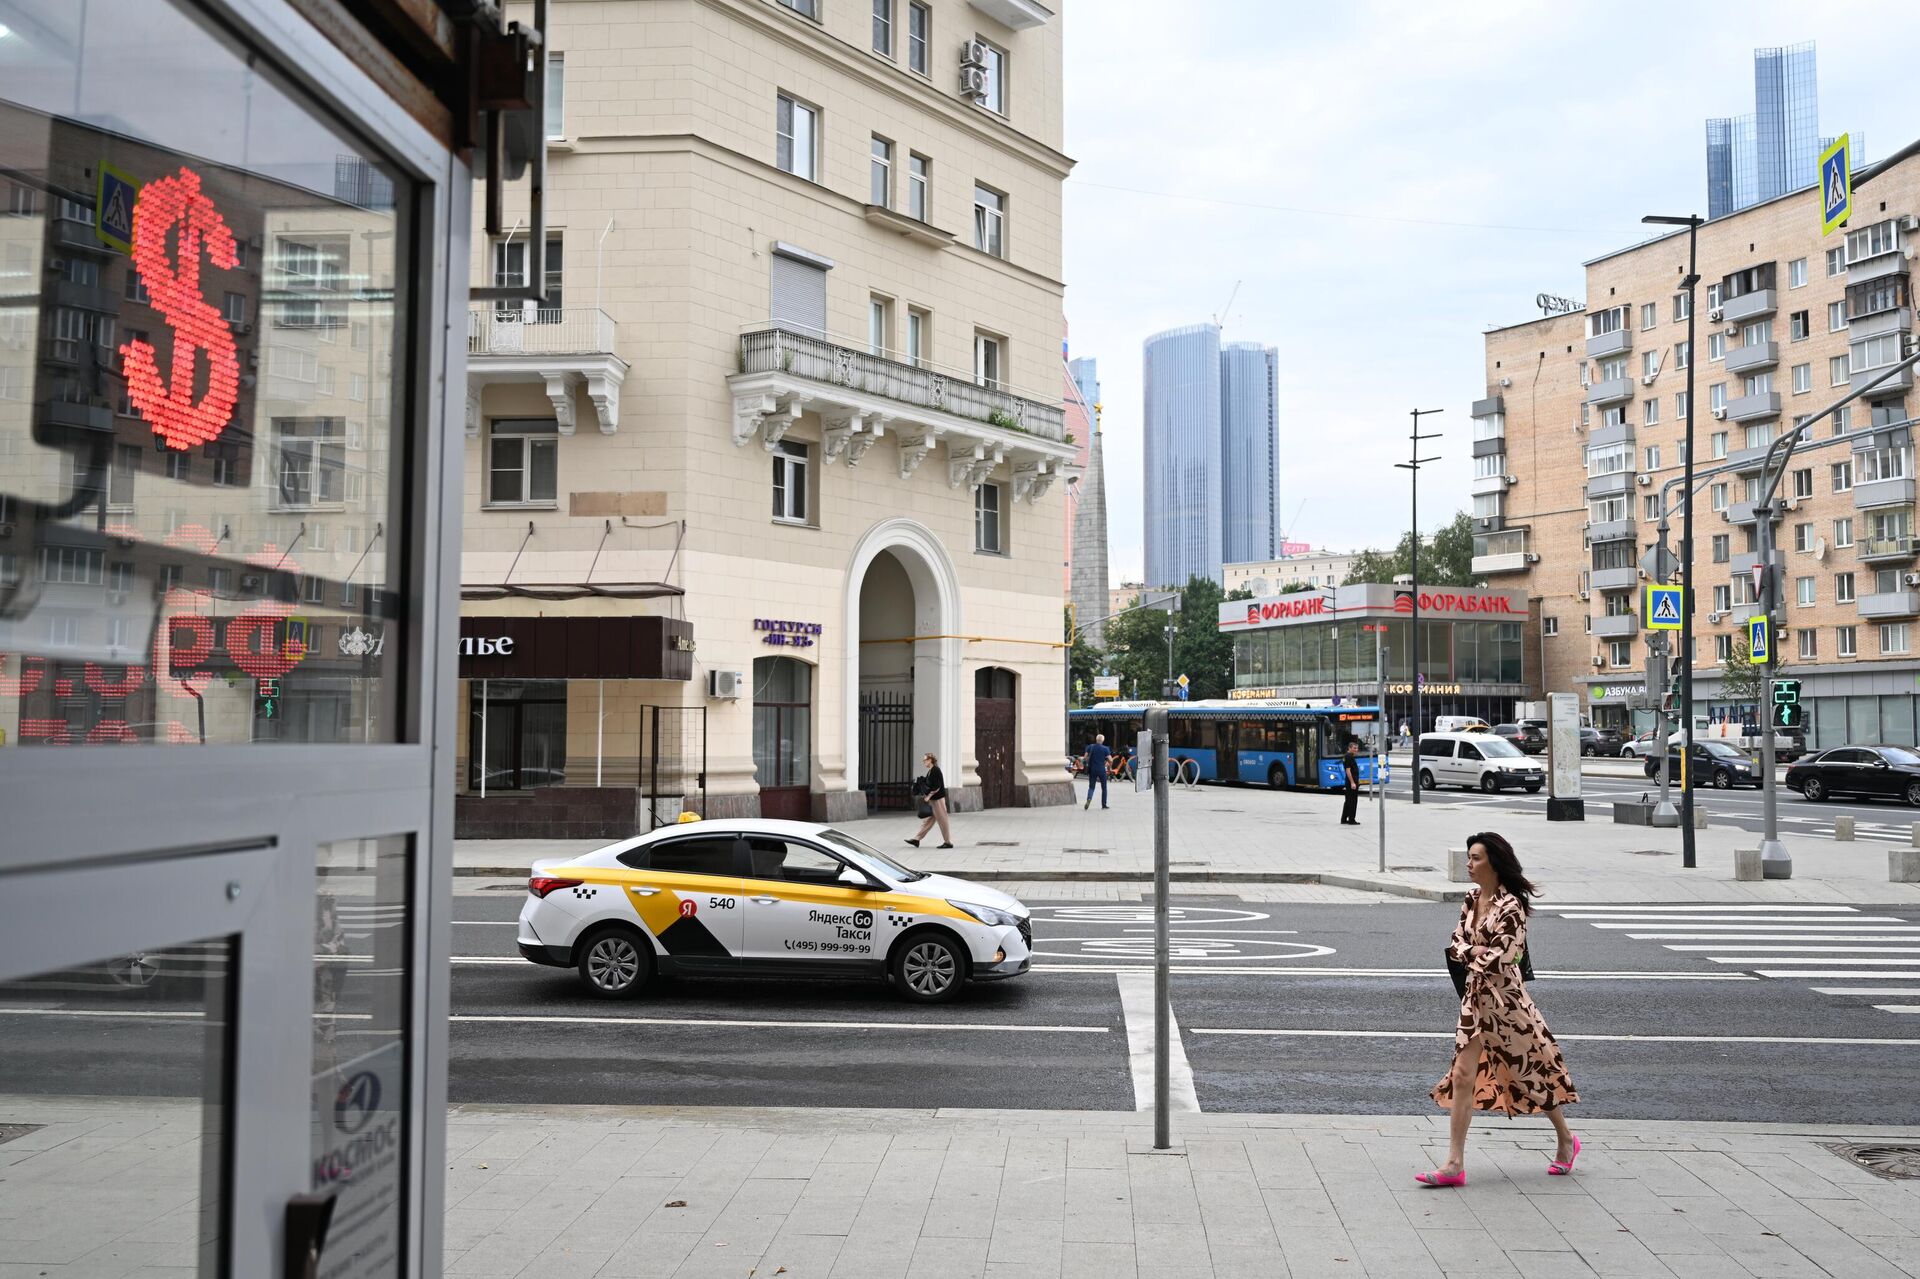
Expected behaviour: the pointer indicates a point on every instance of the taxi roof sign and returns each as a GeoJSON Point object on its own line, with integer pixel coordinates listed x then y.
{"type": "Point", "coordinates": [1836, 185]}
{"type": "Point", "coordinates": [1663, 608]}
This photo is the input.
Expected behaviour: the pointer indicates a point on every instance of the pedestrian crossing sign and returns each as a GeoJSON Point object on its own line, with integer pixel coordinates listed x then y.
{"type": "Point", "coordinates": [1759, 640]}
{"type": "Point", "coordinates": [113, 208]}
{"type": "Point", "coordinates": [1663, 607]}
{"type": "Point", "coordinates": [1836, 186]}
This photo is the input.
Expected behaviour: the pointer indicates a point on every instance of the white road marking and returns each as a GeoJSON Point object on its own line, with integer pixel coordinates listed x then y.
{"type": "Point", "coordinates": [1829, 972]}
{"type": "Point", "coordinates": [778, 1025]}
{"type": "Point", "coordinates": [1620, 1039]}
{"type": "Point", "coordinates": [1722, 939]}
{"type": "Point", "coordinates": [1796, 927]}
{"type": "Point", "coordinates": [1136, 1006]}
{"type": "Point", "coordinates": [1865, 990]}
{"type": "Point", "coordinates": [1748, 921]}
{"type": "Point", "coordinates": [1853, 956]}
{"type": "Point", "coordinates": [1104, 968]}
{"type": "Point", "coordinates": [151, 1012]}
{"type": "Point", "coordinates": [1816, 950]}
{"type": "Point", "coordinates": [1898, 1008]}
{"type": "Point", "coordinates": [1559, 907]}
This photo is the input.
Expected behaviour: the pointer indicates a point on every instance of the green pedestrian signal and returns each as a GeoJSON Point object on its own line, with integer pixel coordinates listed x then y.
{"type": "Point", "coordinates": [1786, 691]}
{"type": "Point", "coordinates": [266, 699]}
{"type": "Point", "coordinates": [1789, 715]}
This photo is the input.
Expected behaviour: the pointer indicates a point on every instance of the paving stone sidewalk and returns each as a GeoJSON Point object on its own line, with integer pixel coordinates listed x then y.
{"type": "Point", "coordinates": [1249, 835]}
{"type": "Point", "coordinates": [820, 1194]}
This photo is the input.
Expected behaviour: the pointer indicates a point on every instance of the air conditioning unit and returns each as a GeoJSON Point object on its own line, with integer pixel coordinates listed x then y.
{"type": "Point", "coordinates": [1793, 504]}
{"type": "Point", "coordinates": [1910, 223]}
{"type": "Point", "coordinates": [1533, 557]}
{"type": "Point", "coordinates": [1586, 595]}
{"type": "Point", "coordinates": [1598, 661]}
{"type": "Point", "coordinates": [1715, 617]}
{"type": "Point", "coordinates": [1645, 480]}
{"type": "Point", "coordinates": [1911, 579]}
{"type": "Point", "coordinates": [1733, 330]}
{"type": "Point", "coordinates": [1716, 314]}
{"type": "Point", "coordinates": [242, 328]}
{"type": "Point", "coordinates": [973, 53]}
{"type": "Point", "coordinates": [1511, 479]}
{"type": "Point", "coordinates": [1646, 379]}
{"type": "Point", "coordinates": [1643, 574]}
{"type": "Point", "coordinates": [1506, 381]}
{"type": "Point", "coordinates": [725, 684]}
{"type": "Point", "coordinates": [973, 83]}
{"type": "Point", "coordinates": [1719, 414]}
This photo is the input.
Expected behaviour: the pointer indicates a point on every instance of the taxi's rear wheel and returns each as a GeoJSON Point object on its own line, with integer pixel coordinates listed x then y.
{"type": "Point", "coordinates": [615, 963]}
{"type": "Point", "coordinates": [929, 968]}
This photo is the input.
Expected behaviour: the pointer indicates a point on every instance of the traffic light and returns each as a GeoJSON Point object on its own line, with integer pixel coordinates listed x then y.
{"type": "Point", "coordinates": [1789, 715]}
{"type": "Point", "coordinates": [266, 699]}
{"type": "Point", "coordinates": [1786, 691]}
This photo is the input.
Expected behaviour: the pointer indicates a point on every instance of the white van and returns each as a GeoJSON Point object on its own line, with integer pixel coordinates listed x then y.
{"type": "Point", "coordinates": [1479, 761]}
{"type": "Point", "coordinates": [1461, 724]}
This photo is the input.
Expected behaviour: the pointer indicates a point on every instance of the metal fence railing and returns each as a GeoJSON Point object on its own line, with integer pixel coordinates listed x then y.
{"type": "Point", "coordinates": [512, 330]}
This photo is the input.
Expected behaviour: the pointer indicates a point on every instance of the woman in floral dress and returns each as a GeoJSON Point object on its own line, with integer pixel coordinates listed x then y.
{"type": "Point", "coordinates": [1504, 1057]}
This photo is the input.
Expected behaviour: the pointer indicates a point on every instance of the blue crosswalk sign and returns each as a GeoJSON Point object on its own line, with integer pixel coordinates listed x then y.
{"type": "Point", "coordinates": [1759, 640]}
{"type": "Point", "coordinates": [113, 208]}
{"type": "Point", "coordinates": [1836, 185]}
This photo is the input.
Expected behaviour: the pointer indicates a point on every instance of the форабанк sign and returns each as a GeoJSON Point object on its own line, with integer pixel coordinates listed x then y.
{"type": "Point", "coordinates": [1443, 603]}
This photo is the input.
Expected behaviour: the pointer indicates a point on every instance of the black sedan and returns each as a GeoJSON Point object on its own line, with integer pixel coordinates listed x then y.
{"type": "Point", "coordinates": [1714, 763]}
{"type": "Point", "coordinates": [1871, 772]}
{"type": "Point", "coordinates": [1602, 741]}
{"type": "Point", "coordinates": [1525, 736]}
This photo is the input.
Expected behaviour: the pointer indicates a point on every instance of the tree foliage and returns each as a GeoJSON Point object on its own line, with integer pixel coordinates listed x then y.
{"type": "Point", "coordinates": [1446, 559]}
{"type": "Point", "coordinates": [1740, 679]}
{"type": "Point", "coordinates": [1083, 665]}
{"type": "Point", "coordinates": [1136, 644]}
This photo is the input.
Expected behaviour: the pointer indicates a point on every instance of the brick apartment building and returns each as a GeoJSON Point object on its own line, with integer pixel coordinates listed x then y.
{"type": "Point", "coordinates": [1584, 420]}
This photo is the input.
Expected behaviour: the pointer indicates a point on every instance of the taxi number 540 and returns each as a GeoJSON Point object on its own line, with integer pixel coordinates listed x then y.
{"type": "Point", "coordinates": [720, 903]}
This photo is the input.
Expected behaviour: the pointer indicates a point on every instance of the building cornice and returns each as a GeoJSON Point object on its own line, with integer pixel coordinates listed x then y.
{"type": "Point", "coordinates": [906, 86]}
{"type": "Point", "coordinates": [692, 143]}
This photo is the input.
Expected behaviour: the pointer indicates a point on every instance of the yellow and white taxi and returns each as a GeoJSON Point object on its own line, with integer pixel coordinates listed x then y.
{"type": "Point", "coordinates": [756, 896]}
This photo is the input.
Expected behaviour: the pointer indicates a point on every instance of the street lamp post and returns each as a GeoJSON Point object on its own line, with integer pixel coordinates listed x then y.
{"type": "Point", "coordinates": [1692, 222]}
{"type": "Point", "coordinates": [1412, 466]}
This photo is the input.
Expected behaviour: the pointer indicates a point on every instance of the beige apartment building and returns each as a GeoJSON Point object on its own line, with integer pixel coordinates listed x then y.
{"type": "Point", "coordinates": [1583, 424]}
{"type": "Point", "coordinates": [1269, 577]}
{"type": "Point", "coordinates": [766, 499]}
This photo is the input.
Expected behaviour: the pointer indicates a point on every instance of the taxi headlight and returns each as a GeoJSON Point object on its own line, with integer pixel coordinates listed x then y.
{"type": "Point", "coordinates": [991, 915]}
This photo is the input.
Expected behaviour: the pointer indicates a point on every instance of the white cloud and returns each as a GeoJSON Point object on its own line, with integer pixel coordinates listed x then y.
{"type": "Point", "coordinates": [1506, 114]}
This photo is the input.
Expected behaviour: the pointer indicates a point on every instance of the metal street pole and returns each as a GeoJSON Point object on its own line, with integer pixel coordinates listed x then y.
{"type": "Point", "coordinates": [1688, 857]}
{"type": "Point", "coordinates": [1156, 720]}
{"type": "Point", "coordinates": [1775, 861]}
{"type": "Point", "coordinates": [1664, 813]}
{"type": "Point", "coordinates": [1412, 467]}
{"type": "Point", "coordinates": [1379, 756]}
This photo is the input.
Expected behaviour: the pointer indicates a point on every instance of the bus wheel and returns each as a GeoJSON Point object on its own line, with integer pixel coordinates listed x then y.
{"type": "Point", "coordinates": [1277, 777]}
{"type": "Point", "coordinates": [1426, 780]}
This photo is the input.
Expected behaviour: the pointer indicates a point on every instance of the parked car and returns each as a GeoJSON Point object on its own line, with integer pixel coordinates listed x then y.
{"type": "Point", "coordinates": [1528, 738]}
{"type": "Point", "coordinates": [1602, 741]}
{"type": "Point", "coordinates": [1873, 772]}
{"type": "Point", "coordinates": [1714, 763]}
{"type": "Point", "coordinates": [1641, 746]}
{"type": "Point", "coordinates": [1473, 760]}
{"type": "Point", "coordinates": [1461, 724]}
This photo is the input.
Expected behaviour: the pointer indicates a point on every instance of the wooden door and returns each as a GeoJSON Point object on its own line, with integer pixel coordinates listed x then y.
{"type": "Point", "coordinates": [993, 725]}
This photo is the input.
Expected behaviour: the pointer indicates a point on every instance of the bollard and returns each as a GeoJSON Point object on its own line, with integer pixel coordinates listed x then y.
{"type": "Point", "coordinates": [1457, 866]}
{"type": "Point", "coordinates": [1916, 834]}
{"type": "Point", "coordinates": [1843, 828]}
{"type": "Point", "coordinates": [1699, 816]}
{"type": "Point", "coordinates": [1903, 865]}
{"type": "Point", "coordinates": [1746, 865]}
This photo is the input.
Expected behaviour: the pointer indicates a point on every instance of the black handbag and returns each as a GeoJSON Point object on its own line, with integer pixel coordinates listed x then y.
{"type": "Point", "coordinates": [1458, 970]}
{"type": "Point", "coordinates": [925, 809]}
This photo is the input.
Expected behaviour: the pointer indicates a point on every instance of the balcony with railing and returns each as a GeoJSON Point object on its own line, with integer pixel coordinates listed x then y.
{"type": "Point", "coordinates": [1616, 626]}
{"type": "Point", "coordinates": [1885, 604]}
{"type": "Point", "coordinates": [1749, 306]}
{"type": "Point", "coordinates": [1747, 408]}
{"type": "Point", "coordinates": [1624, 578]}
{"type": "Point", "coordinates": [1502, 552]}
{"type": "Point", "coordinates": [1610, 391]}
{"type": "Point", "coordinates": [1752, 357]}
{"type": "Point", "coordinates": [1884, 550]}
{"type": "Point", "coordinates": [563, 348]}
{"type": "Point", "coordinates": [861, 397]}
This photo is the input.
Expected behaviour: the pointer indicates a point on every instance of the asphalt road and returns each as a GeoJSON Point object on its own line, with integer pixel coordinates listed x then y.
{"type": "Point", "coordinates": [1663, 1014]}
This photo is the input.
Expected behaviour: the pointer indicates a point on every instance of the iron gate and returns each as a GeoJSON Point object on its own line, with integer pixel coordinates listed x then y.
{"type": "Point", "coordinates": [673, 761]}
{"type": "Point", "coordinates": [886, 749]}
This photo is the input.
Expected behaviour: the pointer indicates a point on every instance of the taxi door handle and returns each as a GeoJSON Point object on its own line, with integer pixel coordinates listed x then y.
{"type": "Point", "coordinates": [764, 901]}
{"type": "Point", "coordinates": [644, 892]}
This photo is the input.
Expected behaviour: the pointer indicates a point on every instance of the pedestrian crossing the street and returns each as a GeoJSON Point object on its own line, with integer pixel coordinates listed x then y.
{"type": "Point", "coordinates": [1851, 952]}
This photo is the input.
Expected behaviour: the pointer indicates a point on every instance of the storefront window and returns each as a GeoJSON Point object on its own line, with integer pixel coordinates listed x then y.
{"type": "Point", "coordinates": [782, 721]}
{"type": "Point", "coordinates": [185, 432]}
{"type": "Point", "coordinates": [517, 734]}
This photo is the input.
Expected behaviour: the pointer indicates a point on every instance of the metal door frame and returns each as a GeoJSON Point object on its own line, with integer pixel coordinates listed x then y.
{"type": "Point", "coordinates": [171, 816]}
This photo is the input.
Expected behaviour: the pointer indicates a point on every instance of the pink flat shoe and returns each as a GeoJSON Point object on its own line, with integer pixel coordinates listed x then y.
{"type": "Point", "coordinates": [1558, 1169]}
{"type": "Point", "coordinates": [1438, 1178]}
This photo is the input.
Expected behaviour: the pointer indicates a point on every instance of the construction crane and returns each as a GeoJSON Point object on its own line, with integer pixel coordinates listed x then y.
{"type": "Point", "coordinates": [1220, 319]}
{"type": "Point", "coordinates": [1287, 529]}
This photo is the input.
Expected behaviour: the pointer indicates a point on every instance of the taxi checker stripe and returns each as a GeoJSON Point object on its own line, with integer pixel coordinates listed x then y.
{"type": "Point", "coordinates": [680, 934]}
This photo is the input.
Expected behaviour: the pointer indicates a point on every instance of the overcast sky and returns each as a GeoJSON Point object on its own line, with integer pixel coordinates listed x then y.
{"type": "Point", "coordinates": [1386, 180]}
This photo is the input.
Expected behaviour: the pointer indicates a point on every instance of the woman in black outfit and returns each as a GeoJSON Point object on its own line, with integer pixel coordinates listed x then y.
{"type": "Point", "coordinates": [936, 798]}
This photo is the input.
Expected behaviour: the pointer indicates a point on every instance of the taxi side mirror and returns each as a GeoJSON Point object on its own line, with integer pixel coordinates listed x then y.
{"type": "Point", "coordinates": [853, 878]}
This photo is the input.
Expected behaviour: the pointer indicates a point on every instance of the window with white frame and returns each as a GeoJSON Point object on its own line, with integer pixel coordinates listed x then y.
{"type": "Point", "coordinates": [1843, 419]}
{"type": "Point", "coordinates": [1549, 626]}
{"type": "Point", "coordinates": [1843, 532]}
{"type": "Point", "coordinates": [1846, 641]}
{"type": "Point", "coordinates": [1837, 371]}
{"type": "Point", "coordinates": [1893, 638]}
{"type": "Point", "coordinates": [1716, 346]}
{"type": "Point", "coordinates": [809, 7]}
{"type": "Point", "coordinates": [880, 327]}
{"type": "Point", "coordinates": [1720, 547]}
{"type": "Point", "coordinates": [1650, 506]}
{"type": "Point", "coordinates": [1886, 581]}
{"type": "Point", "coordinates": [1722, 647]}
{"type": "Point", "coordinates": [1650, 411]}
{"type": "Point", "coordinates": [1489, 505]}
{"type": "Point", "coordinates": [1722, 598]}
{"type": "Point", "coordinates": [1743, 591]}
{"type": "Point", "coordinates": [1803, 482]}
{"type": "Point", "coordinates": [1842, 475]}
{"type": "Point", "coordinates": [883, 27]}
{"type": "Point", "coordinates": [919, 337]}
{"type": "Point", "coordinates": [1802, 378]}
{"type": "Point", "coordinates": [1680, 308]}
{"type": "Point", "coordinates": [880, 188]}
{"type": "Point", "coordinates": [919, 192]}
{"type": "Point", "coordinates": [1681, 406]}
{"type": "Point", "coordinates": [1796, 273]}
{"type": "Point", "coordinates": [556, 96]}
{"type": "Point", "coordinates": [989, 361]}
{"type": "Point", "coordinates": [1717, 445]}
{"type": "Point", "coordinates": [1620, 652]}
{"type": "Point", "coordinates": [1609, 459]}
{"type": "Point", "coordinates": [987, 531]}
{"type": "Point", "coordinates": [1489, 465]}
{"type": "Point", "coordinates": [309, 460]}
{"type": "Point", "coordinates": [1843, 588]}
{"type": "Point", "coordinates": [72, 566]}
{"type": "Point", "coordinates": [1803, 590]}
{"type": "Point", "coordinates": [1713, 296]}
{"type": "Point", "coordinates": [1717, 497]}
{"type": "Point", "coordinates": [989, 221]}
{"type": "Point", "coordinates": [1611, 320]}
{"type": "Point", "coordinates": [1717, 396]}
{"type": "Point", "coordinates": [1803, 537]}
{"type": "Point", "coordinates": [1893, 524]}
{"type": "Point", "coordinates": [790, 466]}
{"type": "Point", "coordinates": [1651, 458]}
{"type": "Point", "coordinates": [1682, 354]}
{"type": "Point", "coordinates": [1836, 261]}
{"type": "Point", "coordinates": [523, 462]}
{"type": "Point", "coordinates": [1649, 315]}
{"type": "Point", "coordinates": [1612, 367]}
{"type": "Point", "coordinates": [1809, 641]}
{"type": "Point", "coordinates": [1609, 510]}
{"type": "Point", "coordinates": [1889, 462]}
{"type": "Point", "coordinates": [1758, 384]}
{"type": "Point", "coordinates": [1836, 316]}
{"type": "Point", "coordinates": [1799, 327]}
{"type": "Point", "coordinates": [797, 137]}
{"type": "Point", "coordinates": [919, 38]}
{"type": "Point", "coordinates": [1874, 353]}
{"type": "Point", "coordinates": [1757, 333]}
{"type": "Point", "coordinates": [1649, 363]}
{"type": "Point", "coordinates": [1872, 241]}
{"type": "Point", "coordinates": [995, 97]}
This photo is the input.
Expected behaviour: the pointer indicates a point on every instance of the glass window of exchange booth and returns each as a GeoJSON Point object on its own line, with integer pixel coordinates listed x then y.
{"type": "Point", "coordinates": [211, 456]}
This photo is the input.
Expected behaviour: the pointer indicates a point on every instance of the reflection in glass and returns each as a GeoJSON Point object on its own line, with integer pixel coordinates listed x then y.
{"type": "Point", "coordinates": [198, 394]}
{"type": "Point", "coordinates": [113, 1087]}
{"type": "Point", "coordinates": [361, 946]}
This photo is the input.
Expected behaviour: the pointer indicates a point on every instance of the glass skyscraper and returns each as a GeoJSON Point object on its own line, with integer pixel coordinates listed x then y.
{"type": "Point", "coordinates": [1249, 452]}
{"type": "Point", "coordinates": [1181, 445]}
{"type": "Point", "coordinates": [1776, 149]}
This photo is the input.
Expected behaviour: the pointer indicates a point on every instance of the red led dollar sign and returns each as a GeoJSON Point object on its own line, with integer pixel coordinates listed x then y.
{"type": "Point", "coordinates": [175, 206]}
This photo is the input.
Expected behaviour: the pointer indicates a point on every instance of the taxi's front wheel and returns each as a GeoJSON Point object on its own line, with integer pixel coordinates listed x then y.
{"type": "Point", "coordinates": [614, 963]}
{"type": "Point", "coordinates": [928, 968]}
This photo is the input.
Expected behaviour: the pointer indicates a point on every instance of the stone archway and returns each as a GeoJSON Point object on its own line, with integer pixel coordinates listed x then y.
{"type": "Point", "coordinates": [902, 625]}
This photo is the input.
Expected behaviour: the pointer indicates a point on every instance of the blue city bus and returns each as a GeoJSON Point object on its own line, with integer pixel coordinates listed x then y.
{"type": "Point", "coordinates": [1263, 743]}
